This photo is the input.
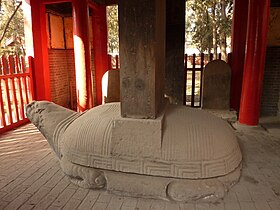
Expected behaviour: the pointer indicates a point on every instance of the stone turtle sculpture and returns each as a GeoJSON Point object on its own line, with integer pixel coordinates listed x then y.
{"type": "Point", "coordinates": [183, 155]}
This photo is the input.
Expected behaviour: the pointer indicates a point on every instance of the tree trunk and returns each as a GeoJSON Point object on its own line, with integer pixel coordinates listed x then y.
{"type": "Point", "coordinates": [223, 42]}
{"type": "Point", "coordinates": [210, 41]}
{"type": "Point", "coordinates": [215, 44]}
{"type": "Point", "coordinates": [8, 23]}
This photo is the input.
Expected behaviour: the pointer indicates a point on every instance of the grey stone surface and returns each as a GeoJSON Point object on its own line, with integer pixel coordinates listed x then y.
{"type": "Point", "coordinates": [48, 117]}
{"type": "Point", "coordinates": [230, 116]}
{"type": "Point", "coordinates": [166, 188]}
{"type": "Point", "coordinates": [271, 125]}
{"type": "Point", "coordinates": [136, 138]}
{"type": "Point", "coordinates": [216, 85]}
{"type": "Point", "coordinates": [111, 86]}
{"type": "Point", "coordinates": [25, 152]}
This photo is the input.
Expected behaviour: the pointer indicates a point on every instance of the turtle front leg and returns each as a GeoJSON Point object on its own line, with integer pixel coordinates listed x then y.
{"type": "Point", "coordinates": [83, 176]}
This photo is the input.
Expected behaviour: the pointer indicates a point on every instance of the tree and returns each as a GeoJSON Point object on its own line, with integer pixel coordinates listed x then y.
{"type": "Point", "coordinates": [214, 28]}
{"type": "Point", "coordinates": [223, 38]}
{"type": "Point", "coordinates": [11, 28]}
{"type": "Point", "coordinates": [199, 19]}
{"type": "Point", "coordinates": [210, 24]}
{"type": "Point", "coordinates": [113, 29]}
{"type": "Point", "coordinates": [226, 12]}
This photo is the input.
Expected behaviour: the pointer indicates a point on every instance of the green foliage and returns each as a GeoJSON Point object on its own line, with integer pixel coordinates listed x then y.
{"type": "Point", "coordinates": [202, 16]}
{"type": "Point", "coordinates": [113, 29]}
{"type": "Point", "coordinates": [202, 31]}
{"type": "Point", "coordinates": [13, 39]}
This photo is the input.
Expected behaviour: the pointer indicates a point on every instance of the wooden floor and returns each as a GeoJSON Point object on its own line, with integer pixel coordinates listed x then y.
{"type": "Point", "coordinates": [31, 178]}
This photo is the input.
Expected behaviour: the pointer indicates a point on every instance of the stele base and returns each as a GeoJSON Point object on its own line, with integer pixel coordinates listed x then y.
{"type": "Point", "coordinates": [183, 155]}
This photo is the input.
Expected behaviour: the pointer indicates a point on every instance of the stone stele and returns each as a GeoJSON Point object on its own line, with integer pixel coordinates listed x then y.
{"type": "Point", "coordinates": [183, 155]}
{"type": "Point", "coordinates": [111, 86]}
{"type": "Point", "coordinates": [216, 85]}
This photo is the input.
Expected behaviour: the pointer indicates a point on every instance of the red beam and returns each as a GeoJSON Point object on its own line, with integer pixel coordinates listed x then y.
{"type": "Point", "coordinates": [111, 2]}
{"type": "Point", "coordinates": [55, 1]}
{"type": "Point", "coordinates": [13, 76]}
{"type": "Point", "coordinates": [254, 61]}
{"type": "Point", "coordinates": [102, 3]}
{"type": "Point", "coordinates": [92, 5]}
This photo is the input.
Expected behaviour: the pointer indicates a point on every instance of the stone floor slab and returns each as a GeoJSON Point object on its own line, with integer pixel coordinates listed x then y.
{"type": "Point", "coordinates": [31, 178]}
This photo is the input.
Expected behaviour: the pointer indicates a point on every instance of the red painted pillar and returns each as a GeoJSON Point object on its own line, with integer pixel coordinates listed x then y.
{"type": "Point", "coordinates": [239, 32]}
{"type": "Point", "coordinates": [82, 55]}
{"type": "Point", "coordinates": [99, 45]}
{"type": "Point", "coordinates": [254, 61]}
{"type": "Point", "coordinates": [36, 46]}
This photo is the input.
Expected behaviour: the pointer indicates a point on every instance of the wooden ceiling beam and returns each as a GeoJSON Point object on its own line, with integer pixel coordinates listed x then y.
{"type": "Point", "coordinates": [55, 1]}
{"type": "Point", "coordinates": [105, 2]}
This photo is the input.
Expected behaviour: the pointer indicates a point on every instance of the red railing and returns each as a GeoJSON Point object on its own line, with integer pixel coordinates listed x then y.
{"type": "Point", "coordinates": [16, 91]}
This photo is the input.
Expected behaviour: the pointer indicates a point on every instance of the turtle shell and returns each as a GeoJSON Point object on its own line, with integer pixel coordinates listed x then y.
{"type": "Point", "coordinates": [194, 144]}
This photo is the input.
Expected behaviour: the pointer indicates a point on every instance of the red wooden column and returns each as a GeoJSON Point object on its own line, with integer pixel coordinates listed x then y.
{"type": "Point", "coordinates": [82, 55]}
{"type": "Point", "coordinates": [36, 44]}
{"type": "Point", "coordinates": [254, 61]}
{"type": "Point", "coordinates": [239, 33]}
{"type": "Point", "coordinates": [99, 45]}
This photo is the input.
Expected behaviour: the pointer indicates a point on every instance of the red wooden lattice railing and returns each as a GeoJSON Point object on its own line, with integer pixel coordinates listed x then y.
{"type": "Point", "coordinates": [16, 91]}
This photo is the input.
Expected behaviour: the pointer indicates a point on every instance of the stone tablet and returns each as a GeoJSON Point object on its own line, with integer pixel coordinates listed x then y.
{"type": "Point", "coordinates": [216, 85]}
{"type": "Point", "coordinates": [111, 86]}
